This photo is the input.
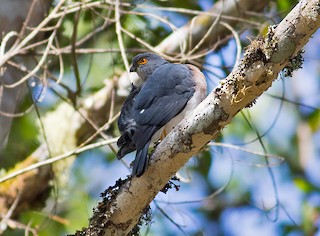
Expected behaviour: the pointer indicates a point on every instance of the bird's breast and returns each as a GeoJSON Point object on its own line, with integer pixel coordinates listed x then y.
{"type": "Point", "coordinates": [198, 96]}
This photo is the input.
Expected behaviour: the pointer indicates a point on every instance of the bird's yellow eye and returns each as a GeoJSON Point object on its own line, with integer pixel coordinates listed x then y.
{"type": "Point", "coordinates": [143, 61]}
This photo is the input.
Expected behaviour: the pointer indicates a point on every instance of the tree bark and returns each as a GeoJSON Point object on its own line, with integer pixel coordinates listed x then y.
{"type": "Point", "coordinates": [263, 60]}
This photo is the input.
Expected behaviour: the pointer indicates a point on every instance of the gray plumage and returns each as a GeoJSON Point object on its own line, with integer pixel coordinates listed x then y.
{"type": "Point", "coordinates": [127, 125]}
{"type": "Point", "coordinates": [159, 103]}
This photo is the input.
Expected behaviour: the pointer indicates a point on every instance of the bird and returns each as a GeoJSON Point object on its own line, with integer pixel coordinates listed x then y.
{"type": "Point", "coordinates": [165, 94]}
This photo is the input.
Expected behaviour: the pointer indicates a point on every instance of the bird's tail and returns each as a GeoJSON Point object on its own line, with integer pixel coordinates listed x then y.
{"type": "Point", "coordinates": [140, 162]}
{"type": "Point", "coordinates": [124, 150]}
{"type": "Point", "coordinates": [125, 143]}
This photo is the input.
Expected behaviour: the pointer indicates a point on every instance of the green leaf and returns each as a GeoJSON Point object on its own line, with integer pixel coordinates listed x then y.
{"type": "Point", "coordinates": [303, 185]}
{"type": "Point", "coordinates": [314, 120]}
{"type": "Point", "coordinates": [286, 5]}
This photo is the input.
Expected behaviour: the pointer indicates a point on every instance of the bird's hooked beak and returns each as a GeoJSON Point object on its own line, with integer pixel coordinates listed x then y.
{"type": "Point", "coordinates": [133, 68]}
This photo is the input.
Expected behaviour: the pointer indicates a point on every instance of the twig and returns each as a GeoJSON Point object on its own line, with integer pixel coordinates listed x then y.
{"type": "Point", "coordinates": [61, 66]}
{"type": "Point", "coordinates": [144, 43]}
{"type": "Point", "coordinates": [237, 39]}
{"type": "Point", "coordinates": [9, 213]}
{"type": "Point", "coordinates": [212, 195]}
{"type": "Point", "coordinates": [5, 40]}
{"type": "Point", "coordinates": [67, 50]}
{"type": "Point", "coordinates": [197, 12]}
{"type": "Point", "coordinates": [33, 45]}
{"type": "Point", "coordinates": [15, 224]}
{"type": "Point", "coordinates": [89, 4]}
{"type": "Point", "coordinates": [161, 19]}
{"type": "Point", "coordinates": [112, 102]}
{"type": "Point", "coordinates": [74, 61]}
{"type": "Point", "coordinates": [207, 34]}
{"type": "Point", "coordinates": [24, 25]}
{"type": "Point", "coordinates": [42, 60]}
{"type": "Point", "coordinates": [20, 114]}
{"type": "Point", "coordinates": [15, 50]}
{"type": "Point", "coordinates": [120, 40]}
{"type": "Point", "coordinates": [266, 155]}
{"type": "Point", "coordinates": [58, 158]}
{"type": "Point", "coordinates": [98, 130]}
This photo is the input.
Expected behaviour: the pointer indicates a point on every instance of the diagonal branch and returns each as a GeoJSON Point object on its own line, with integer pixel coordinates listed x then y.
{"type": "Point", "coordinates": [259, 67]}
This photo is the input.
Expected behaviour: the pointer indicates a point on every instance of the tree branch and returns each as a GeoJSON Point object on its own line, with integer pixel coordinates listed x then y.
{"type": "Point", "coordinates": [262, 62]}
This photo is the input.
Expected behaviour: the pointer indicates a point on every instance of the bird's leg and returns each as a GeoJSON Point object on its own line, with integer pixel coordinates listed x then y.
{"type": "Point", "coordinates": [162, 136]}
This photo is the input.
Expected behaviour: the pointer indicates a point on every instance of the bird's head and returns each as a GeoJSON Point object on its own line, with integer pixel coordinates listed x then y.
{"type": "Point", "coordinates": [145, 64]}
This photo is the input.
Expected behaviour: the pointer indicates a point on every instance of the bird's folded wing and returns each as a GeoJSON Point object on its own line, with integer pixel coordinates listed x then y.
{"type": "Point", "coordinates": [162, 97]}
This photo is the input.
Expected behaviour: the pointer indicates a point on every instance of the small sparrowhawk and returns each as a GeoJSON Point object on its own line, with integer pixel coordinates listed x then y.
{"type": "Point", "coordinates": [163, 97]}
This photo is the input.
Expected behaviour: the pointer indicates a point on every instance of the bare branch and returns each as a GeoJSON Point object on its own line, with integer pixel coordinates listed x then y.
{"type": "Point", "coordinates": [237, 39]}
{"type": "Point", "coordinates": [15, 50]}
{"type": "Point", "coordinates": [41, 62]}
{"type": "Point", "coordinates": [57, 158]}
{"type": "Point", "coordinates": [120, 40]}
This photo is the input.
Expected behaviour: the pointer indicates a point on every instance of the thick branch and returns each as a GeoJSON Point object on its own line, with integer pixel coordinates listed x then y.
{"type": "Point", "coordinates": [262, 62]}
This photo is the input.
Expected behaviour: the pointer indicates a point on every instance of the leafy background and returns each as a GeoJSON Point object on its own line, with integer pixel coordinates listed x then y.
{"type": "Point", "coordinates": [224, 190]}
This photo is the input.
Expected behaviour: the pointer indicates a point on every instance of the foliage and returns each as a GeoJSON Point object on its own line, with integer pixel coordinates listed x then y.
{"type": "Point", "coordinates": [223, 191]}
